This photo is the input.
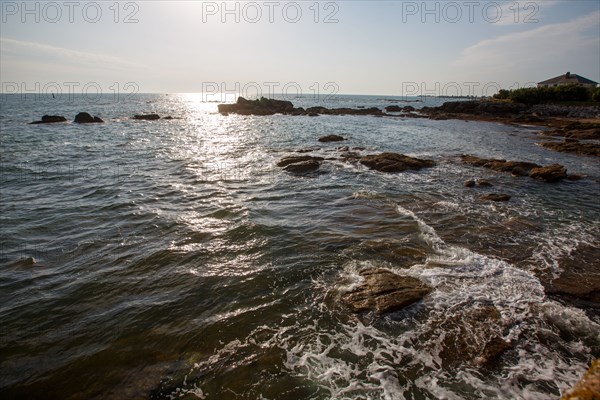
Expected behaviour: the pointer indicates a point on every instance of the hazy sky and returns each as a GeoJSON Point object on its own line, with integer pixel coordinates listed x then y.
{"type": "Point", "coordinates": [352, 47]}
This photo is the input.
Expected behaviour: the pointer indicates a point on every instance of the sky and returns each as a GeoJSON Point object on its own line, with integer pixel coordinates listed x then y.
{"type": "Point", "coordinates": [302, 47]}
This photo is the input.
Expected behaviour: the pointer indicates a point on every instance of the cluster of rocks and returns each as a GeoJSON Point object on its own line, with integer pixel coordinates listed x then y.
{"type": "Point", "coordinates": [553, 110]}
{"type": "Point", "coordinates": [551, 173]}
{"type": "Point", "coordinates": [86, 118]}
{"type": "Point", "coordinates": [81, 118]}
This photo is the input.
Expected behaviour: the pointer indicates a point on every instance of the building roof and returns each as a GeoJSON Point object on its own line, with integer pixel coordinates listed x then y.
{"type": "Point", "coordinates": [568, 78]}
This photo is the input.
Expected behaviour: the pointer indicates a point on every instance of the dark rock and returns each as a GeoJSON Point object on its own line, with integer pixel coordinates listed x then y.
{"type": "Point", "coordinates": [518, 171]}
{"type": "Point", "coordinates": [358, 148]}
{"type": "Point", "coordinates": [469, 183]}
{"type": "Point", "coordinates": [147, 117]}
{"type": "Point", "coordinates": [262, 106]}
{"type": "Point", "coordinates": [393, 108]}
{"type": "Point", "coordinates": [297, 159]}
{"type": "Point", "coordinates": [313, 114]}
{"type": "Point", "coordinates": [394, 162]}
{"type": "Point", "coordinates": [574, 177]}
{"type": "Point", "coordinates": [551, 173]}
{"type": "Point", "coordinates": [384, 292]}
{"type": "Point", "coordinates": [408, 108]}
{"type": "Point", "coordinates": [168, 117]}
{"type": "Point", "coordinates": [85, 118]}
{"type": "Point", "coordinates": [588, 388]}
{"type": "Point", "coordinates": [492, 350]}
{"type": "Point", "coordinates": [331, 138]}
{"type": "Point", "coordinates": [303, 167]}
{"type": "Point", "coordinates": [516, 167]}
{"type": "Point", "coordinates": [484, 183]}
{"type": "Point", "coordinates": [50, 119]}
{"type": "Point", "coordinates": [495, 197]}
{"type": "Point", "coordinates": [343, 148]}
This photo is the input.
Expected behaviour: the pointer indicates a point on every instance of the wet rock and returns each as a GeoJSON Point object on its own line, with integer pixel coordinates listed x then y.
{"type": "Point", "coordinates": [85, 118]}
{"type": "Point", "coordinates": [297, 159]}
{"type": "Point", "coordinates": [394, 162]}
{"type": "Point", "coordinates": [384, 292]}
{"type": "Point", "coordinates": [575, 177]}
{"type": "Point", "coordinates": [469, 183]}
{"type": "Point", "coordinates": [147, 117]}
{"type": "Point", "coordinates": [484, 183]}
{"type": "Point", "coordinates": [331, 138]}
{"type": "Point", "coordinates": [518, 171]}
{"type": "Point", "coordinates": [499, 165]}
{"type": "Point", "coordinates": [50, 119]}
{"type": "Point", "coordinates": [583, 148]}
{"type": "Point", "coordinates": [393, 108]}
{"type": "Point", "coordinates": [551, 173]}
{"type": "Point", "coordinates": [408, 108]}
{"type": "Point", "coordinates": [168, 117]}
{"type": "Point", "coordinates": [303, 167]}
{"type": "Point", "coordinates": [495, 197]}
{"type": "Point", "coordinates": [588, 388]}
{"type": "Point", "coordinates": [492, 351]}
{"type": "Point", "coordinates": [400, 254]}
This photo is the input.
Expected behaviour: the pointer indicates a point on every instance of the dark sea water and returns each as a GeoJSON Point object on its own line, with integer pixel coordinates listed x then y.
{"type": "Point", "coordinates": [175, 260]}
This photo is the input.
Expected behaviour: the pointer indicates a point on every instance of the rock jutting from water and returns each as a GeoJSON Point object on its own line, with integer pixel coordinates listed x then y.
{"type": "Point", "coordinates": [384, 291]}
{"type": "Point", "coordinates": [147, 117]}
{"type": "Point", "coordinates": [86, 118]}
{"type": "Point", "coordinates": [394, 162]}
{"type": "Point", "coordinates": [50, 119]}
{"type": "Point", "coordinates": [331, 138]}
{"type": "Point", "coordinates": [300, 164]}
{"type": "Point", "coordinates": [551, 173]}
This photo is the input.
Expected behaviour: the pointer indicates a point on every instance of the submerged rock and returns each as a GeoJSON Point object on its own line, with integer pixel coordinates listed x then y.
{"type": "Point", "coordinates": [384, 292]}
{"type": "Point", "coordinates": [588, 388]}
{"type": "Point", "coordinates": [85, 118]}
{"type": "Point", "coordinates": [50, 119]}
{"type": "Point", "coordinates": [496, 197]}
{"type": "Point", "coordinates": [331, 138]}
{"type": "Point", "coordinates": [147, 117]}
{"type": "Point", "coordinates": [394, 162]}
{"type": "Point", "coordinates": [551, 173]}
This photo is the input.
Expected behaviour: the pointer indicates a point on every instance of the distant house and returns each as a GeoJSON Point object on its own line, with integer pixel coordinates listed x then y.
{"type": "Point", "coordinates": [568, 79]}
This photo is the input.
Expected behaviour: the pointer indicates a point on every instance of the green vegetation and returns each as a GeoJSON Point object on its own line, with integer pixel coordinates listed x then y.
{"type": "Point", "coordinates": [554, 94]}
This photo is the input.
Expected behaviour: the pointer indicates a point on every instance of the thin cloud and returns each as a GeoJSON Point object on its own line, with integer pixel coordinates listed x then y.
{"type": "Point", "coordinates": [21, 50]}
{"type": "Point", "coordinates": [534, 45]}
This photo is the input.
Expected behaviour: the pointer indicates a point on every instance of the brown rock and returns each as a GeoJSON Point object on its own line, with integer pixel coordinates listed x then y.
{"type": "Point", "coordinates": [469, 183]}
{"type": "Point", "coordinates": [484, 183]}
{"type": "Point", "coordinates": [50, 119]}
{"type": "Point", "coordinates": [297, 159]}
{"type": "Point", "coordinates": [495, 197]}
{"type": "Point", "coordinates": [584, 148]}
{"type": "Point", "coordinates": [588, 388]}
{"type": "Point", "coordinates": [492, 350]}
{"type": "Point", "coordinates": [394, 162]}
{"type": "Point", "coordinates": [551, 173]}
{"type": "Point", "coordinates": [303, 167]}
{"type": "Point", "coordinates": [383, 292]}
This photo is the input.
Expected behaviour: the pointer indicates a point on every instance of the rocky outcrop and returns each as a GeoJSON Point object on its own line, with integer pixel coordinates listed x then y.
{"type": "Point", "coordinates": [262, 106]}
{"type": "Point", "coordinates": [50, 119]}
{"type": "Point", "coordinates": [300, 164]}
{"type": "Point", "coordinates": [297, 159]}
{"type": "Point", "coordinates": [551, 173]}
{"type": "Point", "coordinates": [574, 146]}
{"type": "Point", "coordinates": [393, 108]}
{"type": "Point", "coordinates": [482, 108]}
{"type": "Point", "coordinates": [331, 138]}
{"type": "Point", "coordinates": [588, 388]}
{"type": "Point", "coordinates": [479, 182]}
{"type": "Point", "coordinates": [303, 167]}
{"type": "Point", "coordinates": [394, 162]}
{"type": "Point", "coordinates": [85, 118]}
{"type": "Point", "coordinates": [384, 291]}
{"type": "Point", "coordinates": [147, 117]}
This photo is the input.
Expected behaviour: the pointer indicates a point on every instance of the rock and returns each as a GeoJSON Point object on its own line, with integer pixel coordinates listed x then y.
{"type": "Point", "coordinates": [85, 118]}
{"type": "Point", "coordinates": [492, 350]}
{"type": "Point", "coordinates": [312, 114]}
{"type": "Point", "coordinates": [469, 183]}
{"type": "Point", "coordinates": [384, 292]}
{"type": "Point", "coordinates": [394, 162]}
{"type": "Point", "coordinates": [393, 108]}
{"type": "Point", "coordinates": [50, 119]}
{"type": "Point", "coordinates": [262, 106]}
{"type": "Point", "coordinates": [574, 177]}
{"type": "Point", "coordinates": [297, 159]}
{"type": "Point", "coordinates": [588, 388]}
{"type": "Point", "coordinates": [518, 171]}
{"type": "Point", "coordinates": [168, 117]}
{"type": "Point", "coordinates": [495, 197]}
{"type": "Point", "coordinates": [147, 117]}
{"type": "Point", "coordinates": [303, 167]}
{"type": "Point", "coordinates": [331, 138]}
{"type": "Point", "coordinates": [584, 148]}
{"type": "Point", "coordinates": [484, 183]}
{"type": "Point", "coordinates": [552, 173]}
{"type": "Point", "coordinates": [408, 108]}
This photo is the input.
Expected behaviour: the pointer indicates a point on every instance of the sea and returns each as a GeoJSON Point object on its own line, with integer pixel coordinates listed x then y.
{"type": "Point", "coordinates": [173, 259]}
